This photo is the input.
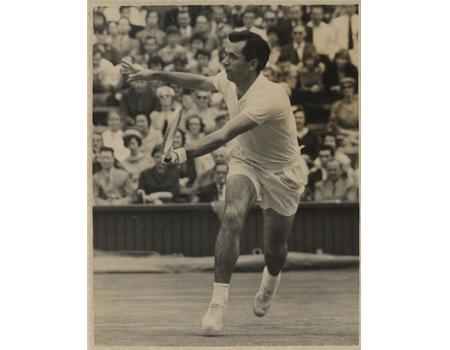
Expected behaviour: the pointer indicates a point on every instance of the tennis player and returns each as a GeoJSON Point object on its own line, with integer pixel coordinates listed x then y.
{"type": "Point", "coordinates": [265, 165]}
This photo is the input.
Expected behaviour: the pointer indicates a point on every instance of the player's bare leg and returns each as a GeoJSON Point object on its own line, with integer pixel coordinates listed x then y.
{"type": "Point", "coordinates": [240, 196]}
{"type": "Point", "coordinates": [276, 232]}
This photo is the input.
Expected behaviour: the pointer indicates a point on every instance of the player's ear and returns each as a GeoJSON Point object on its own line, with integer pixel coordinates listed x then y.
{"type": "Point", "coordinates": [254, 64]}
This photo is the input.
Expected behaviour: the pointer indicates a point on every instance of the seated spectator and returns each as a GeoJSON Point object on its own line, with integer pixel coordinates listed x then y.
{"type": "Point", "coordinates": [219, 19]}
{"type": "Point", "coordinates": [173, 47]}
{"type": "Point", "coordinates": [202, 28]}
{"type": "Point", "coordinates": [164, 113]}
{"type": "Point", "coordinates": [318, 171]}
{"type": "Point", "coordinates": [159, 184]}
{"type": "Point", "coordinates": [332, 141]}
{"type": "Point", "coordinates": [97, 143]}
{"type": "Point", "coordinates": [346, 28]}
{"type": "Point", "coordinates": [123, 43]}
{"type": "Point", "coordinates": [310, 86]}
{"type": "Point", "coordinates": [288, 74]}
{"type": "Point", "coordinates": [220, 155]}
{"type": "Point", "coordinates": [305, 137]}
{"type": "Point", "coordinates": [336, 187]}
{"type": "Point", "coordinates": [202, 64]}
{"type": "Point", "coordinates": [320, 34]}
{"type": "Point", "coordinates": [194, 133]}
{"type": "Point", "coordinates": [179, 63]}
{"type": "Point", "coordinates": [341, 67]}
{"type": "Point", "coordinates": [215, 191]}
{"type": "Point", "coordinates": [291, 19]}
{"type": "Point", "coordinates": [197, 42]}
{"type": "Point", "coordinates": [273, 39]}
{"type": "Point", "coordinates": [295, 51]}
{"type": "Point", "coordinates": [344, 117]}
{"type": "Point", "coordinates": [248, 18]}
{"type": "Point", "coordinates": [105, 77]}
{"type": "Point", "coordinates": [152, 29]}
{"type": "Point", "coordinates": [150, 50]}
{"type": "Point", "coordinates": [150, 136]}
{"type": "Point", "coordinates": [111, 186]}
{"type": "Point", "coordinates": [188, 174]}
{"type": "Point", "coordinates": [113, 137]}
{"type": "Point", "coordinates": [204, 111]}
{"type": "Point", "coordinates": [133, 15]}
{"type": "Point", "coordinates": [99, 21]}
{"type": "Point", "coordinates": [139, 99]}
{"type": "Point", "coordinates": [103, 44]}
{"type": "Point", "coordinates": [270, 21]}
{"type": "Point", "coordinates": [137, 161]}
{"type": "Point", "coordinates": [184, 23]}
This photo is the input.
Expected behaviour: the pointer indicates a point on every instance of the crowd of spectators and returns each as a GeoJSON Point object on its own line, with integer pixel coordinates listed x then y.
{"type": "Point", "coordinates": [314, 55]}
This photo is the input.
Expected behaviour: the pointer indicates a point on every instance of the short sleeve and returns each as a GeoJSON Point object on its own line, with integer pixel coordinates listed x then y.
{"type": "Point", "coordinates": [220, 82]}
{"type": "Point", "coordinates": [261, 110]}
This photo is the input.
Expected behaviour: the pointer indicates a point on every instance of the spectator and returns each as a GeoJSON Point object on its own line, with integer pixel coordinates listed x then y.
{"type": "Point", "coordinates": [123, 43]}
{"type": "Point", "coordinates": [305, 136]}
{"type": "Point", "coordinates": [103, 44]}
{"type": "Point", "coordinates": [202, 28]}
{"type": "Point", "coordinates": [346, 28]}
{"type": "Point", "coordinates": [270, 20]}
{"type": "Point", "coordinates": [179, 63]}
{"type": "Point", "coordinates": [139, 99]}
{"type": "Point", "coordinates": [99, 21]}
{"type": "Point", "coordinates": [125, 11]}
{"type": "Point", "coordinates": [203, 63]}
{"type": "Point", "coordinates": [288, 73]}
{"type": "Point", "coordinates": [331, 140]}
{"type": "Point", "coordinates": [194, 133]}
{"type": "Point", "coordinates": [320, 34]}
{"type": "Point", "coordinates": [296, 50]}
{"type": "Point", "coordinates": [219, 19]}
{"type": "Point", "coordinates": [248, 18]}
{"type": "Point", "coordinates": [273, 39]}
{"type": "Point", "coordinates": [113, 137]}
{"type": "Point", "coordinates": [294, 19]}
{"type": "Point", "coordinates": [97, 144]}
{"type": "Point", "coordinates": [197, 42]}
{"type": "Point", "coordinates": [318, 172]}
{"type": "Point", "coordinates": [152, 29]}
{"type": "Point", "coordinates": [204, 111]}
{"type": "Point", "coordinates": [310, 86]}
{"type": "Point", "coordinates": [159, 184]}
{"type": "Point", "coordinates": [335, 187]}
{"type": "Point", "coordinates": [111, 186]}
{"type": "Point", "coordinates": [216, 190]}
{"type": "Point", "coordinates": [173, 47]}
{"type": "Point", "coordinates": [345, 113]}
{"type": "Point", "coordinates": [150, 50]}
{"type": "Point", "coordinates": [184, 23]}
{"type": "Point", "coordinates": [113, 32]}
{"type": "Point", "coordinates": [137, 161]}
{"type": "Point", "coordinates": [150, 136]}
{"type": "Point", "coordinates": [164, 113]}
{"type": "Point", "coordinates": [220, 155]}
{"type": "Point", "coordinates": [105, 78]}
{"type": "Point", "coordinates": [341, 67]}
{"type": "Point", "coordinates": [188, 173]}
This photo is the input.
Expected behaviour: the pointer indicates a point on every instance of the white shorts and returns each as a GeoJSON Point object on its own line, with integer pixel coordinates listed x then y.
{"type": "Point", "coordinates": [280, 190]}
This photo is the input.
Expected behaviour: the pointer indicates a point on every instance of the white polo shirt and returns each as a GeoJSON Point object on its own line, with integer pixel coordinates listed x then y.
{"type": "Point", "coordinates": [272, 145]}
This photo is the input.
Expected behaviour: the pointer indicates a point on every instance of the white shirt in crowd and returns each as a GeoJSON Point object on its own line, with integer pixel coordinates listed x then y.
{"type": "Point", "coordinates": [323, 38]}
{"type": "Point", "coordinates": [115, 141]}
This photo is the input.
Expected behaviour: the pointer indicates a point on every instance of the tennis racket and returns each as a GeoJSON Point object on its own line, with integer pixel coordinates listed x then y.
{"type": "Point", "coordinates": [170, 133]}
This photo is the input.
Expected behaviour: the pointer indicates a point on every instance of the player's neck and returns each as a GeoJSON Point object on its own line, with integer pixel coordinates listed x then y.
{"type": "Point", "coordinates": [244, 85]}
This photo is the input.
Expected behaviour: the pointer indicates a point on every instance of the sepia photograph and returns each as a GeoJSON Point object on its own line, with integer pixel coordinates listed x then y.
{"type": "Point", "coordinates": [224, 175]}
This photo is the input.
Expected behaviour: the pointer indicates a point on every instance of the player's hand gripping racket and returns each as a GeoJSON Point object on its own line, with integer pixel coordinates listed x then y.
{"type": "Point", "coordinates": [169, 135]}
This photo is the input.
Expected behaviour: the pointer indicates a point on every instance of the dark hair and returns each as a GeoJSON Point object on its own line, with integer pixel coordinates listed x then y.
{"type": "Point", "coordinates": [202, 52]}
{"type": "Point", "coordinates": [197, 36]}
{"type": "Point", "coordinates": [127, 139]}
{"type": "Point", "coordinates": [273, 29]}
{"type": "Point", "coordinates": [148, 14]}
{"type": "Point", "coordinates": [219, 164]}
{"type": "Point", "coordinates": [172, 30]}
{"type": "Point", "coordinates": [202, 125]}
{"type": "Point", "coordinates": [123, 8]}
{"type": "Point", "coordinates": [157, 148]}
{"type": "Point", "coordinates": [298, 108]}
{"type": "Point", "coordinates": [326, 148]}
{"type": "Point", "coordinates": [183, 136]}
{"type": "Point", "coordinates": [107, 149]}
{"type": "Point", "coordinates": [255, 47]}
{"type": "Point", "coordinates": [343, 53]}
{"type": "Point", "coordinates": [181, 58]}
{"type": "Point", "coordinates": [155, 60]}
{"type": "Point", "coordinates": [149, 121]}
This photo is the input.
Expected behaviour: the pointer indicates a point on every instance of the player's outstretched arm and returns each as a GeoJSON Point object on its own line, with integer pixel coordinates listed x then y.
{"type": "Point", "coordinates": [234, 127]}
{"type": "Point", "coordinates": [186, 80]}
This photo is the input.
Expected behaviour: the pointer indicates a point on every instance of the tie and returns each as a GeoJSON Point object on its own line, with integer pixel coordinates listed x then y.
{"type": "Point", "coordinates": [350, 33]}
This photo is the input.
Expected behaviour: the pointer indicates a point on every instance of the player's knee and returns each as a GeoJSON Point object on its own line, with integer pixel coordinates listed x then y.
{"type": "Point", "coordinates": [232, 221]}
{"type": "Point", "coordinates": [275, 249]}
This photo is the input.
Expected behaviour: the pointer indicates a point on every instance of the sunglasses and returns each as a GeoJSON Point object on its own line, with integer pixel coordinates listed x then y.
{"type": "Point", "coordinates": [298, 33]}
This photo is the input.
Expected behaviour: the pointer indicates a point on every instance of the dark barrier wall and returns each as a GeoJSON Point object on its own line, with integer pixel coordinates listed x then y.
{"type": "Point", "coordinates": [192, 229]}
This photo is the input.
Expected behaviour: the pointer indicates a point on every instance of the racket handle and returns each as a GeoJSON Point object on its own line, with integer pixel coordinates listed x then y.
{"type": "Point", "coordinates": [167, 159]}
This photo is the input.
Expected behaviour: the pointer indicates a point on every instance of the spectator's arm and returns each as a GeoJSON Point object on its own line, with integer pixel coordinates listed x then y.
{"type": "Point", "coordinates": [318, 194]}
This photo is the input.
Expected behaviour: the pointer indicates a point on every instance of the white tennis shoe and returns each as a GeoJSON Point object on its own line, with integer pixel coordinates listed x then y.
{"type": "Point", "coordinates": [212, 320]}
{"type": "Point", "coordinates": [264, 299]}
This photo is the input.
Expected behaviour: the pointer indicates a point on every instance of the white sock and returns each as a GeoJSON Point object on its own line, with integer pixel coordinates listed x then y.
{"type": "Point", "coordinates": [268, 281]}
{"type": "Point", "coordinates": [220, 293]}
